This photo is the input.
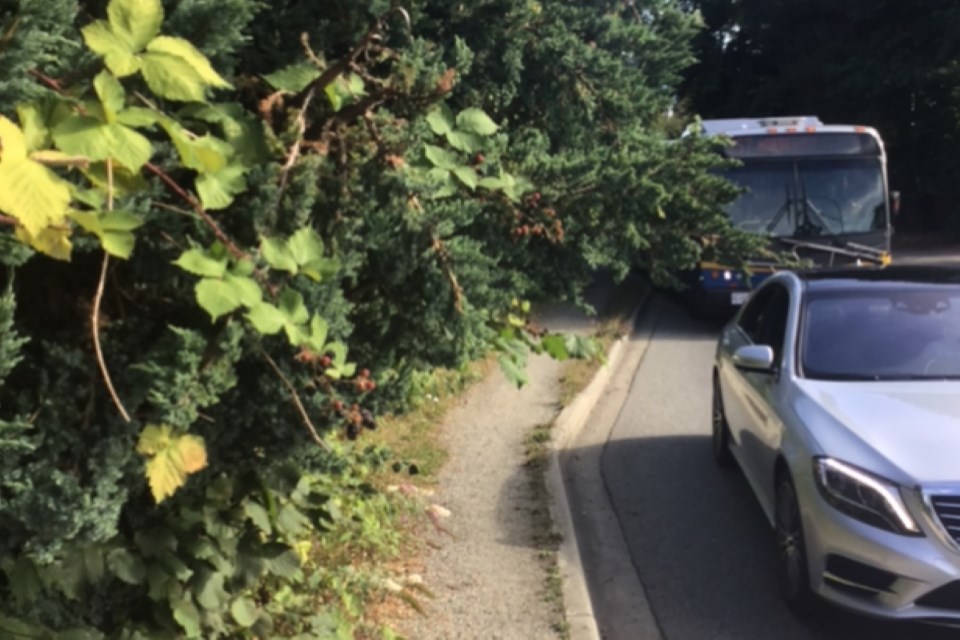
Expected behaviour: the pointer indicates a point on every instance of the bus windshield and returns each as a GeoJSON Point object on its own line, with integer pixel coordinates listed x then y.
{"type": "Point", "coordinates": [807, 197]}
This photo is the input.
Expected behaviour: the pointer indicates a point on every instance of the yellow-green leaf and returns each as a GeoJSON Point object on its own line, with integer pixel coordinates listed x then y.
{"type": "Point", "coordinates": [13, 143]}
{"type": "Point", "coordinates": [35, 131]}
{"type": "Point", "coordinates": [32, 194]}
{"type": "Point", "coordinates": [135, 21]}
{"type": "Point", "coordinates": [172, 77]}
{"type": "Point", "coordinates": [184, 50]}
{"type": "Point", "coordinates": [216, 190]}
{"type": "Point", "coordinates": [171, 458]}
{"type": "Point", "coordinates": [52, 241]}
{"type": "Point", "coordinates": [90, 138]}
{"type": "Point", "coordinates": [110, 92]}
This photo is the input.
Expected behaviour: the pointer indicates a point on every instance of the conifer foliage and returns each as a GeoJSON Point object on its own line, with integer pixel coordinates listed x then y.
{"type": "Point", "coordinates": [233, 232]}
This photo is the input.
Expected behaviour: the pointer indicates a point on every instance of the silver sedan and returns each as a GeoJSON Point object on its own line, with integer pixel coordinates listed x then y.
{"type": "Point", "coordinates": [838, 394]}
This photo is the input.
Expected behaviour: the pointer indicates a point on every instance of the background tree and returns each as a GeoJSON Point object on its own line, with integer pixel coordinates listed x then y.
{"type": "Point", "coordinates": [886, 64]}
{"type": "Point", "coordinates": [361, 197]}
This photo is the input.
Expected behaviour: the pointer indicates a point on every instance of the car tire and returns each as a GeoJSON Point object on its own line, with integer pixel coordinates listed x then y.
{"type": "Point", "coordinates": [792, 569]}
{"type": "Point", "coordinates": [721, 430]}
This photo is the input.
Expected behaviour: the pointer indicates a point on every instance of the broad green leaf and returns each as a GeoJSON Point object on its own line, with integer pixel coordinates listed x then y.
{"type": "Point", "coordinates": [441, 120]}
{"type": "Point", "coordinates": [138, 117]}
{"type": "Point", "coordinates": [556, 347]}
{"type": "Point", "coordinates": [466, 142]}
{"type": "Point", "coordinates": [125, 182]}
{"type": "Point", "coordinates": [334, 95]}
{"type": "Point", "coordinates": [111, 94]}
{"type": "Point", "coordinates": [217, 190]}
{"type": "Point", "coordinates": [172, 77]}
{"type": "Point", "coordinates": [278, 255]}
{"type": "Point", "coordinates": [52, 241]}
{"type": "Point", "coordinates": [126, 566]}
{"type": "Point", "coordinates": [216, 297]}
{"type": "Point", "coordinates": [113, 230]}
{"type": "Point", "coordinates": [247, 289]}
{"type": "Point", "coordinates": [120, 221]}
{"type": "Point", "coordinates": [320, 270]}
{"type": "Point", "coordinates": [258, 516]}
{"type": "Point", "coordinates": [318, 334]}
{"type": "Point", "coordinates": [291, 304]}
{"type": "Point", "coordinates": [135, 21]}
{"type": "Point", "coordinates": [244, 267]}
{"type": "Point", "coordinates": [200, 264]}
{"type": "Point", "coordinates": [293, 79]}
{"type": "Point", "coordinates": [467, 176]}
{"type": "Point", "coordinates": [281, 561]}
{"type": "Point", "coordinates": [476, 121]}
{"type": "Point", "coordinates": [170, 458]}
{"type": "Point", "coordinates": [118, 243]}
{"type": "Point", "coordinates": [208, 587]}
{"type": "Point", "coordinates": [291, 522]}
{"type": "Point", "coordinates": [492, 183]}
{"type": "Point", "coordinates": [128, 147]}
{"type": "Point", "coordinates": [188, 617]}
{"type": "Point", "coordinates": [514, 373]}
{"type": "Point", "coordinates": [158, 583]}
{"type": "Point", "coordinates": [35, 131]}
{"type": "Point", "coordinates": [88, 137]}
{"type": "Point", "coordinates": [339, 352]}
{"type": "Point", "coordinates": [305, 246]}
{"type": "Point", "coordinates": [184, 50]}
{"type": "Point", "coordinates": [244, 611]}
{"type": "Point", "coordinates": [116, 51]}
{"type": "Point", "coordinates": [441, 158]}
{"type": "Point", "coordinates": [206, 154]}
{"type": "Point", "coordinates": [266, 318]}
{"type": "Point", "coordinates": [355, 85]}
{"type": "Point", "coordinates": [243, 132]}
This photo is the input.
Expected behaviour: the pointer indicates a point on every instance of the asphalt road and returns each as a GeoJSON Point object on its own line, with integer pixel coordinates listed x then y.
{"type": "Point", "coordinates": [661, 515]}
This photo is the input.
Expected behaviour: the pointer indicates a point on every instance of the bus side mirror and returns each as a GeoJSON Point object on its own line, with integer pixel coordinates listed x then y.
{"type": "Point", "coordinates": [895, 203]}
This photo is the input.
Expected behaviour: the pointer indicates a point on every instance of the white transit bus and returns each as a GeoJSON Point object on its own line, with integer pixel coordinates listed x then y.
{"type": "Point", "coordinates": [818, 191]}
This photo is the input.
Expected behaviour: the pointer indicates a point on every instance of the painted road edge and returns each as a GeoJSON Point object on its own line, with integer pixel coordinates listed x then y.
{"type": "Point", "coordinates": [582, 624]}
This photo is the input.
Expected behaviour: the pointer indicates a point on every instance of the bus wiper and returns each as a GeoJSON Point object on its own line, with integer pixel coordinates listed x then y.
{"type": "Point", "coordinates": [810, 219]}
{"type": "Point", "coordinates": [786, 209]}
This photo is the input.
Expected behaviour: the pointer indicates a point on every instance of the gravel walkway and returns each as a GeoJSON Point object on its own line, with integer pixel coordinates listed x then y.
{"type": "Point", "coordinates": [487, 578]}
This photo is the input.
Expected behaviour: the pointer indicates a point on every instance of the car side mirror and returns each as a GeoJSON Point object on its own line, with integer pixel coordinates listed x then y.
{"type": "Point", "coordinates": [754, 357]}
{"type": "Point", "coordinates": [895, 203]}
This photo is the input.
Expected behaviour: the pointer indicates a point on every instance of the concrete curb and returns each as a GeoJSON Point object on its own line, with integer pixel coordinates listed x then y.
{"type": "Point", "coordinates": [576, 595]}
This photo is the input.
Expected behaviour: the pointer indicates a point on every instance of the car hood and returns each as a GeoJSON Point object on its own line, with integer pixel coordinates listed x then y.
{"type": "Point", "coordinates": [907, 431]}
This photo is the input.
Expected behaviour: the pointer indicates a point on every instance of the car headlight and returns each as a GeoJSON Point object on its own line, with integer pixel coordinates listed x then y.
{"type": "Point", "coordinates": [864, 496]}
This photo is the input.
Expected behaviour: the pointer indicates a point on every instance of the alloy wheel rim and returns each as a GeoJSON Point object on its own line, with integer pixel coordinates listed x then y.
{"type": "Point", "coordinates": [789, 541]}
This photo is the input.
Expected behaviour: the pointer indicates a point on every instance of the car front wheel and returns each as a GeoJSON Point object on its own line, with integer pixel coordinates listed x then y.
{"type": "Point", "coordinates": [792, 569]}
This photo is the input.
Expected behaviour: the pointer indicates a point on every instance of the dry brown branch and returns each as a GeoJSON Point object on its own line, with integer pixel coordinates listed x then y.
{"type": "Point", "coordinates": [314, 435]}
{"type": "Point", "coordinates": [95, 314]}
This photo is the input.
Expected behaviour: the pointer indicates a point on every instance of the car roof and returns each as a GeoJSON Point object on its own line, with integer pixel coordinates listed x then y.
{"type": "Point", "coordinates": [865, 277]}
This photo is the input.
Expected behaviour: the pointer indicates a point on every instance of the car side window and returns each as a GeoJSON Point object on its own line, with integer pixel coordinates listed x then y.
{"type": "Point", "coordinates": [764, 320]}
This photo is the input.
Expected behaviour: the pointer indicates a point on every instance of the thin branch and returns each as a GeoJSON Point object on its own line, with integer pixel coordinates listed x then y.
{"type": "Point", "coordinates": [296, 401]}
{"type": "Point", "coordinates": [8, 220]}
{"type": "Point", "coordinates": [236, 251]}
{"type": "Point", "coordinates": [95, 316]}
{"type": "Point", "coordinates": [46, 80]}
{"type": "Point", "coordinates": [294, 152]}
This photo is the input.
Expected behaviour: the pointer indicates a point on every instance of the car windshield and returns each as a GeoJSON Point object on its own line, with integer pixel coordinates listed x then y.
{"type": "Point", "coordinates": [896, 333]}
{"type": "Point", "coordinates": [809, 197]}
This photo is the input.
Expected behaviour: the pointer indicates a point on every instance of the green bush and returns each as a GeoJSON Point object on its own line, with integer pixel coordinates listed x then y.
{"type": "Point", "coordinates": [292, 245]}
